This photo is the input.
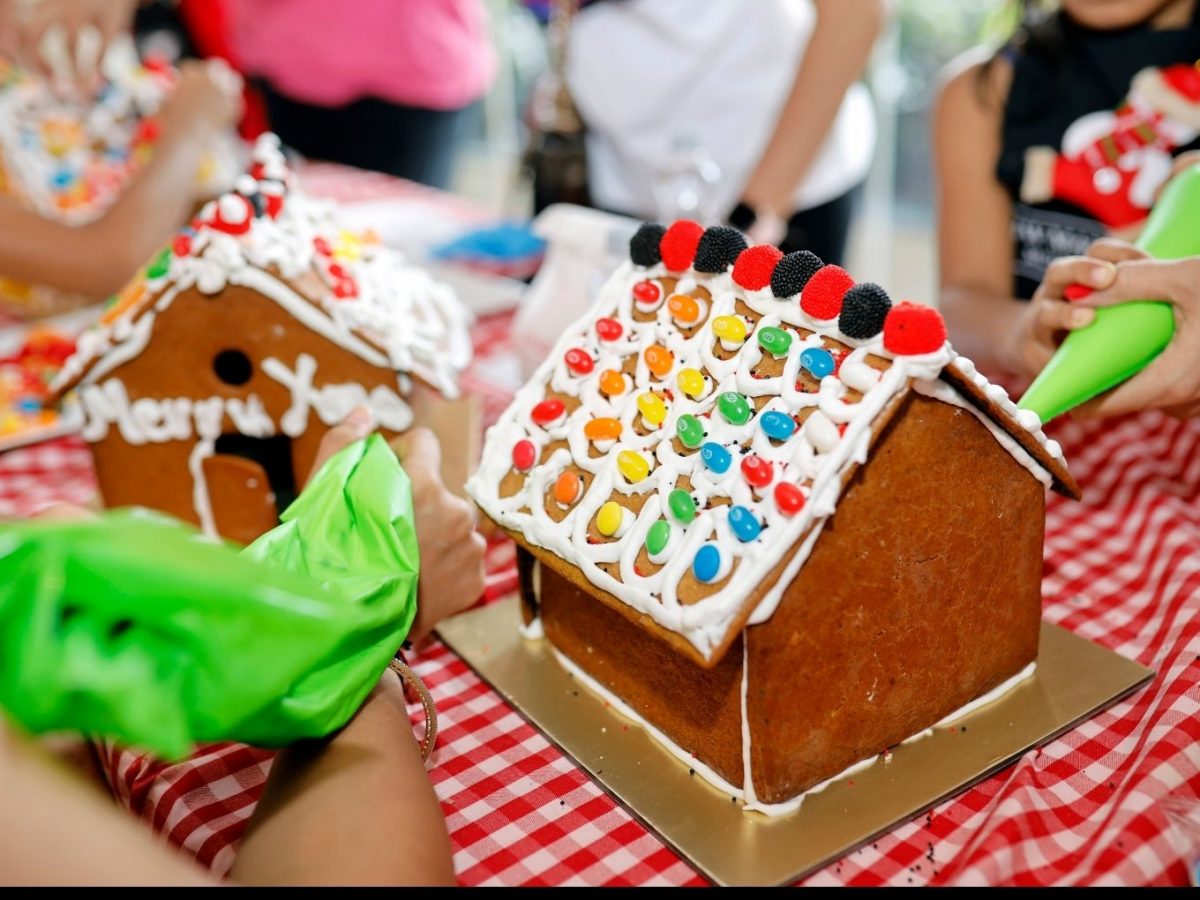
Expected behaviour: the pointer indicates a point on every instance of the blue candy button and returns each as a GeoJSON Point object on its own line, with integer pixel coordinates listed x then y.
{"type": "Point", "coordinates": [707, 563]}
{"type": "Point", "coordinates": [744, 524]}
{"type": "Point", "coordinates": [817, 360]}
{"type": "Point", "coordinates": [777, 425]}
{"type": "Point", "coordinates": [716, 457]}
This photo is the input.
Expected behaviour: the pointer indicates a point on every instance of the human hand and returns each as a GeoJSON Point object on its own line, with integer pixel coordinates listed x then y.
{"type": "Point", "coordinates": [1049, 316]}
{"type": "Point", "coordinates": [1172, 380]}
{"type": "Point", "coordinates": [208, 95]}
{"type": "Point", "coordinates": [63, 40]}
{"type": "Point", "coordinates": [452, 576]}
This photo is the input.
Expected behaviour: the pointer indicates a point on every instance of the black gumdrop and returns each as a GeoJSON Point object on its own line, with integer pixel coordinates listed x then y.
{"type": "Point", "coordinates": [864, 307]}
{"type": "Point", "coordinates": [718, 249]}
{"type": "Point", "coordinates": [643, 246]}
{"type": "Point", "coordinates": [792, 273]}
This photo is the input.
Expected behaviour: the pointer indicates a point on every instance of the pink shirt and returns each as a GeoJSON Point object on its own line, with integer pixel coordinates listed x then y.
{"type": "Point", "coordinates": [428, 53]}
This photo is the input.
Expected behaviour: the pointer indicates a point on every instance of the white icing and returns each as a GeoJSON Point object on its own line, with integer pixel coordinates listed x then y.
{"type": "Point", "coordinates": [534, 630]}
{"type": "Point", "coordinates": [332, 402]}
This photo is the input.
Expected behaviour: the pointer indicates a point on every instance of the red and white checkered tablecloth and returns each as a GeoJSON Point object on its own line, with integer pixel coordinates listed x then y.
{"type": "Point", "coordinates": [1122, 569]}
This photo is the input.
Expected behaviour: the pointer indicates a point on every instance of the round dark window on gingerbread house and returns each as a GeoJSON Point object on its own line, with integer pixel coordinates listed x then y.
{"type": "Point", "coordinates": [233, 367]}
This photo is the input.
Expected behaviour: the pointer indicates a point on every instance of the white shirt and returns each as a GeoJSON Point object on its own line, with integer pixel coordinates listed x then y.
{"type": "Point", "coordinates": [668, 88]}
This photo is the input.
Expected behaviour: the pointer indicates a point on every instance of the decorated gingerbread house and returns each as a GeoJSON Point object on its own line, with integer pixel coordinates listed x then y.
{"type": "Point", "coordinates": [770, 513]}
{"type": "Point", "coordinates": [69, 156]}
{"type": "Point", "coordinates": [210, 381]}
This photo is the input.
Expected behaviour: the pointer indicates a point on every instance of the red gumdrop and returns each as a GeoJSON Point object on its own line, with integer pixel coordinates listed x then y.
{"type": "Point", "coordinates": [547, 411]}
{"type": "Point", "coordinates": [822, 296]}
{"type": "Point", "coordinates": [524, 455]}
{"type": "Point", "coordinates": [578, 361]}
{"type": "Point", "coordinates": [911, 329]}
{"type": "Point", "coordinates": [181, 245]}
{"type": "Point", "coordinates": [757, 471]}
{"type": "Point", "coordinates": [678, 246]}
{"type": "Point", "coordinates": [789, 498]}
{"type": "Point", "coordinates": [1077, 291]}
{"type": "Point", "coordinates": [608, 329]}
{"type": "Point", "coordinates": [754, 266]}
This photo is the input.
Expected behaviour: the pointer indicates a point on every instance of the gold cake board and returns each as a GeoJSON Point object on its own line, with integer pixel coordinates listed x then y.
{"type": "Point", "coordinates": [1075, 678]}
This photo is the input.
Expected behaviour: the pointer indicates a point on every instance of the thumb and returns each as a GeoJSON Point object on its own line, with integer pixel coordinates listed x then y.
{"type": "Point", "coordinates": [1139, 279]}
{"type": "Point", "coordinates": [354, 427]}
{"type": "Point", "coordinates": [420, 453]}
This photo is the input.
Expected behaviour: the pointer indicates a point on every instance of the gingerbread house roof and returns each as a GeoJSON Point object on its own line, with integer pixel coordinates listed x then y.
{"type": "Point", "coordinates": [268, 236]}
{"type": "Point", "coordinates": [682, 447]}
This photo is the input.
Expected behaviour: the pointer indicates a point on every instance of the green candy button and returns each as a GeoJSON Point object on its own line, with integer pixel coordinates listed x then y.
{"type": "Point", "coordinates": [734, 407]}
{"type": "Point", "coordinates": [775, 341]}
{"type": "Point", "coordinates": [690, 431]}
{"type": "Point", "coordinates": [158, 268]}
{"type": "Point", "coordinates": [657, 536]}
{"type": "Point", "coordinates": [682, 506]}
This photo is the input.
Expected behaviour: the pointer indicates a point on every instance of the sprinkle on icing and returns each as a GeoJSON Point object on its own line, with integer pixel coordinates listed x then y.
{"type": "Point", "coordinates": [752, 428]}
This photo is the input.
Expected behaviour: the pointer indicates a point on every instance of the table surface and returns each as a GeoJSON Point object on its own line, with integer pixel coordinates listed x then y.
{"type": "Point", "coordinates": [1122, 569]}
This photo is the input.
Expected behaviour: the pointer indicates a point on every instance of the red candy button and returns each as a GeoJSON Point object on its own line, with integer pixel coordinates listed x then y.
{"type": "Point", "coordinates": [757, 471]}
{"type": "Point", "coordinates": [789, 498]}
{"type": "Point", "coordinates": [524, 455]}
{"type": "Point", "coordinates": [547, 411]}
{"type": "Point", "coordinates": [578, 361]}
{"type": "Point", "coordinates": [608, 329]}
{"type": "Point", "coordinates": [646, 293]}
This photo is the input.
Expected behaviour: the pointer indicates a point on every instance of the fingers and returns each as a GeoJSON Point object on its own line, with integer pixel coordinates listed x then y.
{"type": "Point", "coordinates": [1185, 161]}
{"type": "Point", "coordinates": [1056, 315]}
{"type": "Point", "coordinates": [1063, 273]}
{"type": "Point", "coordinates": [1151, 279]}
{"type": "Point", "coordinates": [354, 427]}
{"type": "Point", "coordinates": [1114, 251]}
{"type": "Point", "coordinates": [420, 454]}
{"type": "Point", "coordinates": [64, 512]}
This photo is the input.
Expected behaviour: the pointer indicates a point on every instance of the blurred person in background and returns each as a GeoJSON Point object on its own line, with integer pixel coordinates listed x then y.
{"type": "Point", "coordinates": [726, 110]}
{"type": "Point", "coordinates": [1061, 137]}
{"type": "Point", "coordinates": [377, 84]}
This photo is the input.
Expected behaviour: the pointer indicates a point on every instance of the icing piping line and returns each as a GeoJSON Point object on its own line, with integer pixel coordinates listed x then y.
{"type": "Point", "coordinates": [200, 499]}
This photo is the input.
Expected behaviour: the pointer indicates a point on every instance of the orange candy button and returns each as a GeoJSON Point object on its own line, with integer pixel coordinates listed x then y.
{"type": "Point", "coordinates": [602, 430]}
{"type": "Point", "coordinates": [683, 308]}
{"type": "Point", "coordinates": [659, 360]}
{"type": "Point", "coordinates": [568, 488]}
{"type": "Point", "coordinates": [612, 382]}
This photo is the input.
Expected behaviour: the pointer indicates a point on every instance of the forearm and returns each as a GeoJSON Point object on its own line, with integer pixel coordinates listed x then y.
{"type": "Point", "coordinates": [834, 59]}
{"type": "Point", "coordinates": [356, 809]}
{"type": "Point", "coordinates": [980, 323]}
{"type": "Point", "coordinates": [56, 829]}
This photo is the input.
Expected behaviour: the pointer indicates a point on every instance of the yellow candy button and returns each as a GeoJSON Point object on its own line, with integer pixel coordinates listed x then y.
{"type": "Point", "coordinates": [729, 328]}
{"type": "Point", "coordinates": [610, 518]}
{"type": "Point", "coordinates": [633, 466]}
{"type": "Point", "coordinates": [652, 408]}
{"type": "Point", "coordinates": [691, 382]}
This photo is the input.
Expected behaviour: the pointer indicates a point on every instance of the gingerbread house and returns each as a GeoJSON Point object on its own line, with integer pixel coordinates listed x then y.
{"type": "Point", "coordinates": [771, 514]}
{"type": "Point", "coordinates": [210, 381]}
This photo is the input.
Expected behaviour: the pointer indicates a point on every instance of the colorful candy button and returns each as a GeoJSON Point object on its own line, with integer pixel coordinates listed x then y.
{"type": "Point", "coordinates": [604, 429]}
{"type": "Point", "coordinates": [608, 329]}
{"type": "Point", "coordinates": [612, 519]}
{"type": "Point", "coordinates": [547, 412]}
{"type": "Point", "coordinates": [774, 340]}
{"type": "Point", "coordinates": [647, 295]}
{"type": "Point", "coordinates": [716, 458]}
{"type": "Point", "coordinates": [160, 265]}
{"type": "Point", "coordinates": [757, 471]}
{"type": "Point", "coordinates": [691, 382]}
{"type": "Point", "coordinates": [789, 498]}
{"type": "Point", "coordinates": [682, 506]}
{"type": "Point", "coordinates": [578, 361]}
{"type": "Point", "coordinates": [729, 330]}
{"type": "Point", "coordinates": [777, 426]}
{"type": "Point", "coordinates": [706, 564]}
{"type": "Point", "coordinates": [524, 455]}
{"type": "Point", "coordinates": [690, 431]}
{"type": "Point", "coordinates": [612, 382]}
{"type": "Point", "coordinates": [658, 537]}
{"type": "Point", "coordinates": [659, 360]}
{"type": "Point", "coordinates": [684, 309]}
{"type": "Point", "coordinates": [567, 488]}
{"type": "Point", "coordinates": [744, 524]}
{"type": "Point", "coordinates": [734, 407]}
{"type": "Point", "coordinates": [632, 465]}
{"type": "Point", "coordinates": [652, 408]}
{"type": "Point", "coordinates": [818, 361]}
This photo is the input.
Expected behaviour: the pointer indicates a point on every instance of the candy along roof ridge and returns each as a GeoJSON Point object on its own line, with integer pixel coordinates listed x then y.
{"type": "Point", "coordinates": [697, 421]}
{"type": "Point", "coordinates": [268, 236]}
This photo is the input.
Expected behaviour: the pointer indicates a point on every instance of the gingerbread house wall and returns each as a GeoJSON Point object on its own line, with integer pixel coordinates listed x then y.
{"type": "Point", "coordinates": [178, 362]}
{"type": "Point", "coordinates": [923, 592]}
